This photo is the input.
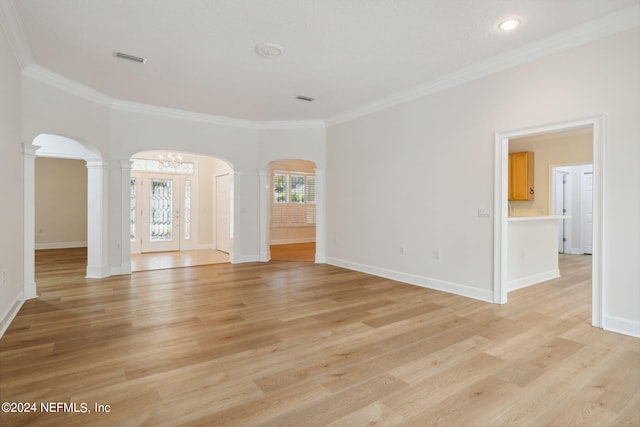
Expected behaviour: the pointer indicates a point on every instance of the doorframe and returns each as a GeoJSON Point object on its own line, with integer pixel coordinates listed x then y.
{"type": "Point", "coordinates": [500, 234]}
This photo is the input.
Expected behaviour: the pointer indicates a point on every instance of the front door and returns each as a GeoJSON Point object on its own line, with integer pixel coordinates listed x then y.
{"type": "Point", "coordinates": [160, 213]}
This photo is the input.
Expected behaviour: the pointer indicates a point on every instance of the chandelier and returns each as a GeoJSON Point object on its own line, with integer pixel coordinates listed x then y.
{"type": "Point", "coordinates": [170, 161]}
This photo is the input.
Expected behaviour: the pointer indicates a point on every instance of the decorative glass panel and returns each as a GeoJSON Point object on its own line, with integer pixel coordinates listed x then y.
{"type": "Point", "coordinates": [146, 165]}
{"type": "Point", "coordinates": [133, 210]}
{"type": "Point", "coordinates": [161, 210]}
{"type": "Point", "coordinates": [187, 210]}
{"type": "Point", "coordinates": [297, 189]}
{"type": "Point", "coordinates": [280, 188]}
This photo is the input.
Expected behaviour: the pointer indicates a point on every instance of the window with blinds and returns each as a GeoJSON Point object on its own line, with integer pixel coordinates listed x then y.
{"type": "Point", "coordinates": [294, 199]}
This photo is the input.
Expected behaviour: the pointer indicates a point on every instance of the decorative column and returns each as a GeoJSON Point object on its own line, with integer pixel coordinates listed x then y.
{"type": "Point", "coordinates": [265, 253]}
{"type": "Point", "coordinates": [234, 217]}
{"type": "Point", "coordinates": [123, 169]}
{"type": "Point", "coordinates": [29, 221]}
{"type": "Point", "coordinates": [321, 225]}
{"type": "Point", "coordinates": [97, 214]}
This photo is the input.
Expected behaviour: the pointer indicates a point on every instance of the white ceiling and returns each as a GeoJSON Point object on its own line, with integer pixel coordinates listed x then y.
{"type": "Point", "coordinates": [344, 53]}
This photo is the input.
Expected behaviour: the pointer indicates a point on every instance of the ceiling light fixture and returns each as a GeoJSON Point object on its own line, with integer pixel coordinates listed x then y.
{"type": "Point", "coordinates": [130, 57]}
{"type": "Point", "coordinates": [305, 98]}
{"type": "Point", "coordinates": [509, 24]}
{"type": "Point", "coordinates": [269, 50]}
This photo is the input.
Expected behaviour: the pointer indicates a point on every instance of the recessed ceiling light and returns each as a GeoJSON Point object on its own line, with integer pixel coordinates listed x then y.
{"type": "Point", "coordinates": [269, 50]}
{"type": "Point", "coordinates": [509, 24]}
{"type": "Point", "coordinates": [130, 57]}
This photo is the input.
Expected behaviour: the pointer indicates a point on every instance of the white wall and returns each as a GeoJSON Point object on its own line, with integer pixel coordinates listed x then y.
{"type": "Point", "coordinates": [11, 213]}
{"type": "Point", "coordinates": [414, 175]}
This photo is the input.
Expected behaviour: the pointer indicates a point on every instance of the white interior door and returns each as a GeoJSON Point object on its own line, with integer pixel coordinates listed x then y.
{"type": "Point", "coordinates": [559, 207]}
{"type": "Point", "coordinates": [160, 213]}
{"type": "Point", "coordinates": [587, 213]}
{"type": "Point", "coordinates": [223, 213]}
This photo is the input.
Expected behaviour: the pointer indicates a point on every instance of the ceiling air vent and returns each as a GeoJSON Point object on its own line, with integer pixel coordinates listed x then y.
{"type": "Point", "coordinates": [129, 57]}
{"type": "Point", "coordinates": [305, 98]}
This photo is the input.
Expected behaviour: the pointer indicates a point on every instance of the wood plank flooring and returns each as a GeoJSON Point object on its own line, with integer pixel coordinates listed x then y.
{"type": "Point", "coordinates": [176, 259]}
{"type": "Point", "coordinates": [303, 344]}
{"type": "Point", "coordinates": [293, 252]}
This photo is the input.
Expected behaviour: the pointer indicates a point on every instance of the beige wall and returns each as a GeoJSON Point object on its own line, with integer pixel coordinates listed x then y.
{"type": "Point", "coordinates": [561, 148]}
{"type": "Point", "coordinates": [60, 203]}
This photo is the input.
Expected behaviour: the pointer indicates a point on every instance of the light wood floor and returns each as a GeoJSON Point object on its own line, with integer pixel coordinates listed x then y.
{"type": "Point", "coordinates": [293, 252]}
{"type": "Point", "coordinates": [176, 259]}
{"type": "Point", "coordinates": [304, 344]}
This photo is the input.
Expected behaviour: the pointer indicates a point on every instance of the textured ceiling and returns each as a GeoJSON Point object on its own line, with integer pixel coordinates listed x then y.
{"type": "Point", "coordinates": [344, 53]}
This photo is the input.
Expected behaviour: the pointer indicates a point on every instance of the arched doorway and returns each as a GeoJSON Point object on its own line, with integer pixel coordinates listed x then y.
{"type": "Point", "coordinates": [179, 210]}
{"type": "Point", "coordinates": [56, 146]}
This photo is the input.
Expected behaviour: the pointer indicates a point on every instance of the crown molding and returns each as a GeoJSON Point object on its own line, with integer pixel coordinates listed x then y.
{"type": "Point", "coordinates": [622, 20]}
{"type": "Point", "coordinates": [72, 87]}
{"type": "Point", "coordinates": [48, 77]}
{"type": "Point", "coordinates": [12, 25]}
{"type": "Point", "coordinates": [175, 113]}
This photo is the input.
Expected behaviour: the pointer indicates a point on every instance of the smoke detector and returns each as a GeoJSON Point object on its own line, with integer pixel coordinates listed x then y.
{"type": "Point", "coordinates": [269, 50]}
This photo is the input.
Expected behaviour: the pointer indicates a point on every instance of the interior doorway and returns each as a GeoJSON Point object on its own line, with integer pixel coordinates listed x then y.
{"type": "Point", "coordinates": [596, 126]}
{"type": "Point", "coordinates": [572, 198]}
{"type": "Point", "coordinates": [175, 203]}
{"type": "Point", "coordinates": [292, 195]}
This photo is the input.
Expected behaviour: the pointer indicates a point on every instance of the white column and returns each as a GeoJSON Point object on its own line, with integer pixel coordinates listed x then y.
{"type": "Point", "coordinates": [234, 217]}
{"type": "Point", "coordinates": [97, 214]}
{"type": "Point", "coordinates": [123, 262]}
{"type": "Point", "coordinates": [29, 221]}
{"type": "Point", "coordinates": [265, 253]}
{"type": "Point", "coordinates": [321, 225]}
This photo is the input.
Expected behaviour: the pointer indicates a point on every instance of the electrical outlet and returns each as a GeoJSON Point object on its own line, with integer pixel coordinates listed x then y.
{"type": "Point", "coordinates": [4, 277]}
{"type": "Point", "coordinates": [436, 254]}
{"type": "Point", "coordinates": [402, 250]}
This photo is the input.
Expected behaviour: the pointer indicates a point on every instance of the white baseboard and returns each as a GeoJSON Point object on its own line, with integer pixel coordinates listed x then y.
{"type": "Point", "coordinates": [523, 282]}
{"type": "Point", "coordinates": [10, 313]}
{"type": "Point", "coordinates": [204, 247]}
{"type": "Point", "coordinates": [61, 245]}
{"type": "Point", "coordinates": [621, 326]}
{"type": "Point", "coordinates": [98, 271]}
{"type": "Point", "coordinates": [120, 270]}
{"type": "Point", "coordinates": [412, 279]}
{"type": "Point", "coordinates": [244, 258]}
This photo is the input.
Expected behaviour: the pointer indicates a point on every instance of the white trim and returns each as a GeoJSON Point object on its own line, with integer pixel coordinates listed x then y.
{"type": "Point", "coordinates": [621, 326]}
{"type": "Point", "coordinates": [413, 279]}
{"type": "Point", "coordinates": [48, 77]}
{"type": "Point", "coordinates": [605, 26]}
{"type": "Point", "coordinates": [60, 245]}
{"type": "Point", "coordinates": [240, 259]}
{"type": "Point", "coordinates": [12, 24]}
{"type": "Point", "coordinates": [51, 78]}
{"type": "Point", "coordinates": [523, 282]}
{"type": "Point", "coordinates": [599, 126]}
{"type": "Point", "coordinates": [11, 313]}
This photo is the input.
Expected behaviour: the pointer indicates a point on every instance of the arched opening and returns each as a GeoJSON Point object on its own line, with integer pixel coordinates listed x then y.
{"type": "Point", "coordinates": [47, 146]}
{"type": "Point", "coordinates": [179, 210]}
{"type": "Point", "coordinates": [293, 206]}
